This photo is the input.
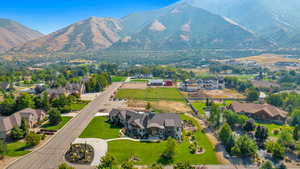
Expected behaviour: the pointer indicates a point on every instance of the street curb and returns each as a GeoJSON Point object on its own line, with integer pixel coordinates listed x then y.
{"type": "Point", "coordinates": [22, 157]}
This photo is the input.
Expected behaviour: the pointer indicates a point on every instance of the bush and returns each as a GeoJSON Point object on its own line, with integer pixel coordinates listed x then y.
{"type": "Point", "coordinates": [32, 139]}
{"type": "Point", "coordinates": [17, 133]}
{"type": "Point", "coordinates": [65, 166]}
{"type": "Point", "coordinates": [127, 165]}
{"type": "Point", "coordinates": [3, 149]}
{"type": "Point", "coordinates": [266, 165]}
{"type": "Point", "coordinates": [276, 149]}
{"type": "Point", "coordinates": [184, 165]}
{"type": "Point", "coordinates": [169, 153]}
{"type": "Point", "coordinates": [107, 162]}
{"type": "Point", "coordinates": [193, 148]}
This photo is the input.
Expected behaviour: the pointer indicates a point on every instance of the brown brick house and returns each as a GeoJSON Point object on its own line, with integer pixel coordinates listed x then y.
{"type": "Point", "coordinates": [32, 116]}
{"type": "Point", "coordinates": [143, 125]}
{"type": "Point", "coordinates": [265, 112]}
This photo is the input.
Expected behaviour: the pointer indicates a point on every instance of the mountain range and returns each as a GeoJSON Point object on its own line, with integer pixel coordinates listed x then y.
{"type": "Point", "coordinates": [187, 24]}
{"type": "Point", "coordinates": [13, 34]}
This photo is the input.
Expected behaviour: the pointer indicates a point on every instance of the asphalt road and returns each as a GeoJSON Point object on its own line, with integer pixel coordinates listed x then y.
{"type": "Point", "coordinates": [52, 154]}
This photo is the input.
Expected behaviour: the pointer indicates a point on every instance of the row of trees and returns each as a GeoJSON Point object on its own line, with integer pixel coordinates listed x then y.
{"type": "Point", "coordinates": [97, 83]}
{"type": "Point", "coordinates": [11, 104]}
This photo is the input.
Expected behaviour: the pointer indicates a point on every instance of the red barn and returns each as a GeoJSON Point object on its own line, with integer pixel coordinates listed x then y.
{"type": "Point", "coordinates": [168, 83]}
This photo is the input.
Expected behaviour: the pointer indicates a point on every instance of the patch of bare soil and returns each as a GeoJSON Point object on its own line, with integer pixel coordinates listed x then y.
{"type": "Point", "coordinates": [164, 106]}
{"type": "Point", "coordinates": [218, 94]}
{"type": "Point", "coordinates": [268, 59]}
{"type": "Point", "coordinates": [134, 85]}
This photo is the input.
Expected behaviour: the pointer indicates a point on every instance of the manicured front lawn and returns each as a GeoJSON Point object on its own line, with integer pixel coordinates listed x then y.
{"type": "Point", "coordinates": [118, 78]}
{"type": "Point", "coordinates": [150, 94]}
{"type": "Point", "coordinates": [65, 119]}
{"type": "Point", "coordinates": [100, 128]}
{"type": "Point", "coordinates": [199, 107]}
{"type": "Point", "coordinates": [78, 106]}
{"type": "Point", "coordinates": [16, 149]}
{"type": "Point", "coordinates": [149, 153]}
{"type": "Point", "coordinates": [272, 127]}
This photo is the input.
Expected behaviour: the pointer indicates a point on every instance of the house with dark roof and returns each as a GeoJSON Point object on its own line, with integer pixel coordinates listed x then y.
{"type": "Point", "coordinates": [68, 89]}
{"type": "Point", "coordinates": [143, 125]}
{"type": "Point", "coordinates": [264, 112]}
{"type": "Point", "coordinates": [5, 85]}
{"type": "Point", "coordinates": [7, 123]}
{"type": "Point", "coordinates": [32, 116]}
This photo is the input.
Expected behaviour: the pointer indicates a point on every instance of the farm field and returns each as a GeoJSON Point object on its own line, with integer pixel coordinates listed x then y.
{"type": "Point", "coordinates": [99, 128]}
{"type": "Point", "coordinates": [122, 150]}
{"type": "Point", "coordinates": [64, 121]}
{"type": "Point", "coordinates": [150, 94]}
{"type": "Point", "coordinates": [268, 59]}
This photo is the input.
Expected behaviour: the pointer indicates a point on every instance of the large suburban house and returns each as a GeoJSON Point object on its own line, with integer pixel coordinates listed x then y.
{"type": "Point", "coordinates": [68, 89]}
{"type": "Point", "coordinates": [7, 123]}
{"type": "Point", "coordinates": [203, 84]}
{"type": "Point", "coordinates": [5, 85]}
{"type": "Point", "coordinates": [142, 76]}
{"type": "Point", "coordinates": [211, 83]}
{"type": "Point", "coordinates": [143, 125]}
{"type": "Point", "coordinates": [264, 112]}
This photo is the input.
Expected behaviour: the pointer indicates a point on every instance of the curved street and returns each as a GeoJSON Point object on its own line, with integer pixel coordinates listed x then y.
{"type": "Point", "coordinates": [52, 154]}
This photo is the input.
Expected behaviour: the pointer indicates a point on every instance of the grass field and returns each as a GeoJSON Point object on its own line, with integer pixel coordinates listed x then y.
{"type": "Point", "coordinates": [122, 150]}
{"type": "Point", "coordinates": [65, 119]}
{"type": "Point", "coordinates": [150, 94]}
{"type": "Point", "coordinates": [99, 128]}
{"type": "Point", "coordinates": [199, 106]}
{"type": "Point", "coordinates": [118, 78]}
{"type": "Point", "coordinates": [16, 149]}
{"type": "Point", "coordinates": [139, 80]}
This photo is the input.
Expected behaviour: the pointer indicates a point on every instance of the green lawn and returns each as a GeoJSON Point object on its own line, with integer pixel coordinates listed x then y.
{"type": "Point", "coordinates": [139, 80]}
{"type": "Point", "coordinates": [150, 94]}
{"type": "Point", "coordinates": [78, 106]}
{"type": "Point", "coordinates": [272, 127]}
{"type": "Point", "coordinates": [118, 78]}
{"type": "Point", "coordinates": [200, 107]}
{"type": "Point", "coordinates": [65, 119]}
{"type": "Point", "coordinates": [16, 149]}
{"type": "Point", "coordinates": [149, 153]}
{"type": "Point", "coordinates": [99, 128]}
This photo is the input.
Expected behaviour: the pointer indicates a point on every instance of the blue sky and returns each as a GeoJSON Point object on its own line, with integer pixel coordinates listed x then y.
{"type": "Point", "coordinates": [49, 15]}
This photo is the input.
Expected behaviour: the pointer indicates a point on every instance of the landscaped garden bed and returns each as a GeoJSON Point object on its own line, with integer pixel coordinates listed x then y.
{"type": "Point", "coordinates": [80, 154]}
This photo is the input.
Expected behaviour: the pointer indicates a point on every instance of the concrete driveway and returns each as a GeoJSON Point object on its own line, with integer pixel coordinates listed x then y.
{"type": "Point", "coordinates": [99, 145]}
